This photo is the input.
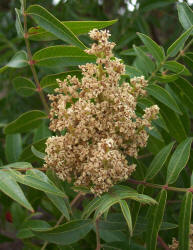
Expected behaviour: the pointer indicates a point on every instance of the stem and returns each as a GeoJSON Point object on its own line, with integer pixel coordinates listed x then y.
{"type": "Point", "coordinates": [97, 235]}
{"type": "Point", "coordinates": [162, 243]}
{"type": "Point", "coordinates": [159, 186]}
{"type": "Point", "coordinates": [76, 198]}
{"type": "Point", "coordinates": [73, 202]}
{"type": "Point", "coordinates": [31, 63]}
{"type": "Point", "coordinates": [144, 156]}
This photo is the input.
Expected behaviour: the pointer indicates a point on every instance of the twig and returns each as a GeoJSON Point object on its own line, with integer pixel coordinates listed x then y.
{"type": "Point", "coordinates": [144, 156]}
{"type": "Point", "coordinates": [173, 201]}
{"type": "Point", "coordinates": [160, 186]}
{"type": "Point", "coordinates": [31, 63]}
{"type": "Point", "coordinates": [97, 235]}
{"type": "Point", "coordinates": [76, 198]}
{"type": "Point", "coordinates": [73, 202]}
{"type": "Point", "coordinates": [162, 243]}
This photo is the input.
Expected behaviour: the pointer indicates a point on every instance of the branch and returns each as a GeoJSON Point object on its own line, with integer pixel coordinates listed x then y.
{"type": "Point", "coordinates": [162, 243]}
{"type": "Point", "coordinates": [31, 63]}
{"type": "Point", "coordinates": [97, 235]}
{"type": "Point", "coordinates": [160, 186]}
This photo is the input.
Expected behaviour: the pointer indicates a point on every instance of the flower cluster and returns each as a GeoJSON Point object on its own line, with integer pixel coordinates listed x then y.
{"type": "Point", "coordinates": [96, 117]}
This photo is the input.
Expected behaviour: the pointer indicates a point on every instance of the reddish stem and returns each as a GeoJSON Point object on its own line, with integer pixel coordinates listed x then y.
{"type": "Point", "coordinates": [162, 243]}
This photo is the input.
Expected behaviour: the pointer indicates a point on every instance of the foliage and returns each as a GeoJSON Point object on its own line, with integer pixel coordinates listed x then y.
{"type": "Point", "coordinates": [155, 204]}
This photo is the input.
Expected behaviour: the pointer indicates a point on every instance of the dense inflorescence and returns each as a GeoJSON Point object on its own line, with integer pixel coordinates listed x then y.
{"type": "Point", "coordinates": [98, 116]}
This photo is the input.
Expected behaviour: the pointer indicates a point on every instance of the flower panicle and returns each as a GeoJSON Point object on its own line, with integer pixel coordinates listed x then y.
{"type": "Point", "coordinates": [98, 115]}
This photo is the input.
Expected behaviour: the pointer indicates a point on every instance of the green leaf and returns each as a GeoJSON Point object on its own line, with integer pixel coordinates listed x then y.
{"type": "Point", "coordinates": [176, 67]}
{"type": "Point", "coordinates": [156, 134]}
{"type": "Point", "coordinates": [112, 225]}
{"type": "Point", "coordinates": [19, 60]}
{"type": "Point", "coordinates": [163, 96]}
{"type": "Point", "coordinates": [118, 193]}
{"type": "Point", "coordinates": [125, 192]}
{"type": "Point", "coordinates": [142, 223]}
{"type": "Point", "coordinates": [10, 187]}
{"type": "Point", "coordinates": [132, 52]}
{"type": "Point", "coordinates": [41, 132]}
{"type": "Point", "coordinates": [185, 15]}
{"type": "Point", "coordinates": [25, 229]}
{"type": "Point", "coordinates": [155, 220]}
{"type": "Point", "coordinates": [67, 233]}
{"type": "Point", "coordinates": [50, 23]}
{"type": "Point", "coordinates": [18, 24]}
{"type": "Point", "coordinates": [77, 27]}
{"type": "Point", "coordinates": [3, 69]}
{"type": "Point", "coordinates": [38, 180]}
{"type": "Point", "coordinates": [165, 78]}
{"type": "Point", "coordinates": [13, 147]}
{"type": "Point", "coordinates": [185, 221]}
{"type": "Point", "coordinates": [126, 212]}
{"type": "Point", "coordinates": [158, 161]}
{"type": "Point", "coordinates": [55, 179]}
{"type": "Point", "coordinates": [188, 58]}
{"type": "Point", "coordinates": [19, 214]}
{"type": "Point", "coordinates": [132, 71]}
{"type": "Point", "coordinates": [49, 83]}
{"type": "Point", "coordinates": [60, 204]}
{"type": "Point", "coordinates": [27, 155]}
{"type": "Point", "coordinates": [186, 89]}
{"type": "Point", "coordinates": [25, 122]}
{"type": "Point", "coordinates": [179, 43]}
{"type": "Point", "coordinates": [146, 64]}
{"type": "Point", "coordinates": [153, 47]}
{"type": "Point", "coordinates": [106, 202]}
{"type": "Point", "coordinates": [154, 145]}
{"type": "Point", "coordinates": [136, 206]}
{"type": "Point", "coordinates": [151, 5]}
{"type": "Point", "coordinates": [62, 55]}
{"type": "Point", "coordinates": [173, 123]}
{"type": "Point", "coordinates": [24, 86]}
{"type": "Point", "coordinates": [91, 207]}
{"type": "Point", "coordinates": [178, 160]}
{"type": "Point", "coordinates": [17, 165]}
{"type": "Point", "coordinates": [37, 153]}
{"type": "Point", "coordinates": [23, 4]}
